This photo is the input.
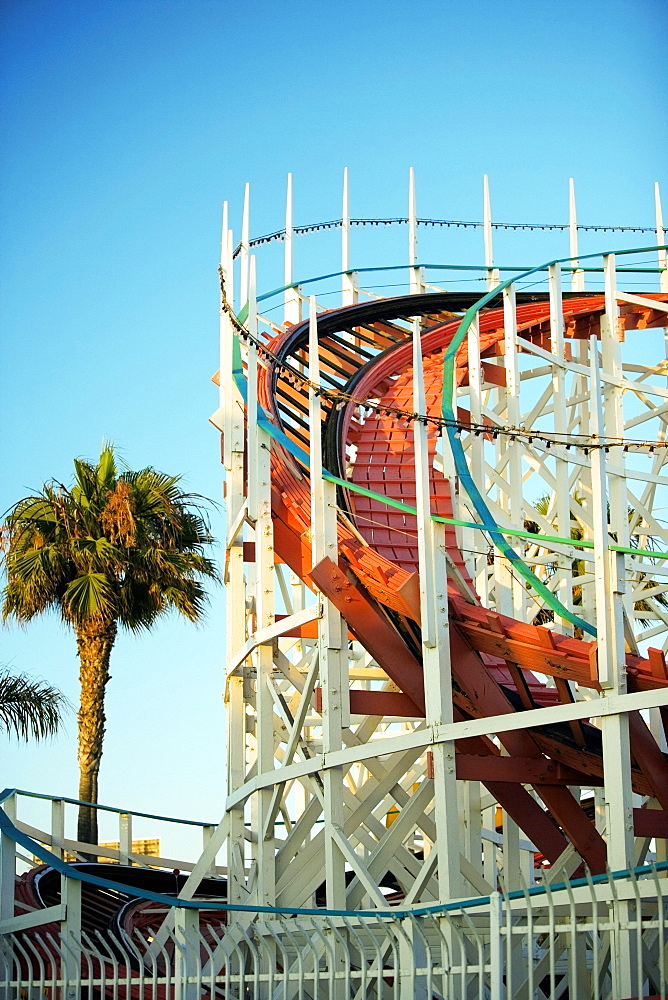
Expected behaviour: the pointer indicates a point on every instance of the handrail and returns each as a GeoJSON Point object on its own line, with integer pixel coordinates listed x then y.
{"type": "Point", "coordinates": [8, 792]}
{"type": "Point", "coordinates": [482, 268]}
{"type": "Point", "coordinates": [69, 871]}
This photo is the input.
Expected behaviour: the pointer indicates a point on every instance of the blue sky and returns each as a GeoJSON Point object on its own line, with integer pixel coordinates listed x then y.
{"type": "Point", "coordinates": [126, 124]}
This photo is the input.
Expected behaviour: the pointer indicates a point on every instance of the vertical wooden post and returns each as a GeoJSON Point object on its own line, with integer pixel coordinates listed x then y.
{"type": "Point", "coordinates": [245, 249]}
{"type": "Point", "coordinates": [291, 305]}
{"type": "Point", "coordinates": [618, 795]}
{"type": "Point", "coordinates": [259, 512]}
{"type": "Point", "coordinates": [577, 276]}
{"type": "Point", "coordinates": [562, 505]}
{"type": "Point", "coordinates": [57, 827]}
{"type": "Point", "coordinates": [349, 293]}
{"type": "Point", "coordinates": [435, 631]}
{"type": "Point", "coordinates": [124, 838]}
{"type": "Point", "coordinates": [661, 239]}
{"type": "Point", "coordinates": [417, 278]}
{"type": "Point", "coordinates": [492, 272]}
{"type": "Point", "coordinates": [235, 500]}
{"type": "Point", "coordinates": [7, 864]}
{"type": "Point", "coordinates": [332, 656]}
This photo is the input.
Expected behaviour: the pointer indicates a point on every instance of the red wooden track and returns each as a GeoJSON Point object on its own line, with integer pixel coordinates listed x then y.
{"type": "Point", "coordinates": [365, 353]}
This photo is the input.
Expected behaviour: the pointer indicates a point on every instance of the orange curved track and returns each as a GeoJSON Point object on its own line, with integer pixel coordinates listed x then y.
{"type": "Point", "coordinates": [365, 353]}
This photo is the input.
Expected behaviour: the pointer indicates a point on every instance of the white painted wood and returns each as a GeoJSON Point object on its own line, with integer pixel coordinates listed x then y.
{"type": "Point", "coordinates": [349, 292]}
{"type": "Point", "coordinates": [661, 239]}
{"type": "Point", "coordinates": [577, 276]}
{"type": "Point", "coordinates": [332, 659]}
{"type": "Point", "coordinates": [291, 302]}
{"type": "Point", "coordinates": [492, 272]}
{"type": "Point", "coordinates": [417, 278]}
{"type": "Point", "coordinates": [244, 254]}
{"type": "Point", "coordinates": [435, 644]}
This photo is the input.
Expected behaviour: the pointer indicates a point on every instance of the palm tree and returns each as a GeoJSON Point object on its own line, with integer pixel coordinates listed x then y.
{"type": "Point", "coordinates": [29, 707]}
{"type": "Point", "coordinates": [115, 549]}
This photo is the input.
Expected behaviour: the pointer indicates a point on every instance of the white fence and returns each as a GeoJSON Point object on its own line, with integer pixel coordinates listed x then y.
{"type": "Point", "coordinates": [577, 941]}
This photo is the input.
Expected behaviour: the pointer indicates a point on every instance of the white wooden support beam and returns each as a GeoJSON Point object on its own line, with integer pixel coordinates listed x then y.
{"type": "Point", "coordinates": [57, 827]}
{"type": "Point", "coordinates": [236, 523]}
{"type": "Point", "coordinates": [124, 838]}
{"type": "Point", "coordinates": [295, 734]}
{"type": "Point", "coordinates": [35, 918]}
{"type": "Point", "coordinates": [252, 405]}
{"type": "Point", "coordinates": [214, 838]}
{"type": "Point", "coordinates": [611, 355]}
{"type": "Point", "coordinates": [244, 254]}
{"type": "Point", "coordinates": [259, 510]}
{"type": "Point", "coordinates": [186, 954]}
{"type": "Point", "coordinates": [236, 509]}
{"type": "Point", "coordinates": [70, 929]}
{"type": "Point", "coordinates": [435, 631]}
{"type": "Point", "coordinates": [332, 658]}
{"type": "Point", "coordinates": [7, 864]}
{"type": "Point", "coordinates": [229, 399]}
{"type": "Point", "coordinates": [266, 636]}
{"type": "Point", "coordinates": [562, 506]}
{"type": "Point", "coordinates": [509, 450]}
{"type": "Point", "coordinates": [577, 277]}
{"type": "Point", "coordinates": [598, 708]}
{"type": "Point", "coordinates": [510, 594]}
{"type": "Point", "coordinates": [661, 239]}
{"type": "Point", "coordinates": [477, 564]}
{"type": "Point", "coordinates": [608, 674]}
{"type": "Point", "coordinates": [291, 301]}
{"type": "Point", "coordinates": [349, 291]}
{"type": "Point", "coordinates": [417, 278]}
{"type": "Point", "coordinates": [640, 300]}
{"type": "Point", "coordinates": [492, 272]}
{"type": "Point", "coordinates": [608, 568]}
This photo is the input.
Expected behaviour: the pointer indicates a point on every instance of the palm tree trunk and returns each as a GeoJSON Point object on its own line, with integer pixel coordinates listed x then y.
{"type": "Point", "coordinates": [94, 643]}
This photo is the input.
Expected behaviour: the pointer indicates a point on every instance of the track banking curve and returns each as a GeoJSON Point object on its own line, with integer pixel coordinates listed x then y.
{"type": "Point", "coordinates": [497, 662]}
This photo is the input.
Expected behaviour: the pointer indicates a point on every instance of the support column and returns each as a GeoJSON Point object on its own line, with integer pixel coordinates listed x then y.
{"type": "Point", "coordinates": [186, 954]}
{"type": "Point", "coordinates": [259, 512]}
{"type": "Point", "coordinates": [125, 838]}
{"type": "Point", "coordinates": [331, 635]}
{"type": "Point", "coordinates": [57, 827]}
{"type": "Point", "coordinates": [245, 248]}
{"type": "Point", "coordinates": [618, 795]}
{"type": "Point", "coordinates": [7, 864]}
{"type": "Point", "coordinates": [70, 935]}
{"type": "Point", "coordinates": [435, 645]}
{"type": "Point", "coordinates": [349, 292]}
{"type": "Point", "coordinates": [562, 505]}
{"type": "Point", "coordinates": [577, 276]}
{"type": "Point", "coordinates": [661, 239]}
{"type": "Point", "coordinates": [291, 303]}
{"type": "Point", "coordinates": [492, 272]}
{"type": "Point", "coordinates": [473, 539]}
{"type": "Point", "coordinates": [417, 277]}
{"type": "Point", "coordinates": [235, 501]}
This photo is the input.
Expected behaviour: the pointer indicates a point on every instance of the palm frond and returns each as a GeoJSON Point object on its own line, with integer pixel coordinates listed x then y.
{"type": "Point", "coordinates": [106, 468]}
{"type": "Point", "coordinates": [90, 595]}
{"type": "Point", "coordinates": [29, 707]}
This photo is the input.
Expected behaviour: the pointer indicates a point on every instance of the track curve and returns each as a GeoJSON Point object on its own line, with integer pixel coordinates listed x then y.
{"type": "Point", "coordinates": [366, 370]}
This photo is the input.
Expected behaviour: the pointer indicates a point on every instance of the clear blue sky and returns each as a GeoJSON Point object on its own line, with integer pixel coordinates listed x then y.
{"type": "Point", "coordinates": [127, 122]}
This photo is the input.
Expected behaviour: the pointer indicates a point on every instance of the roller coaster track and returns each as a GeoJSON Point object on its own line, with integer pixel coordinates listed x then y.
{"type": "Point", "coordinates": [497, 662]}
